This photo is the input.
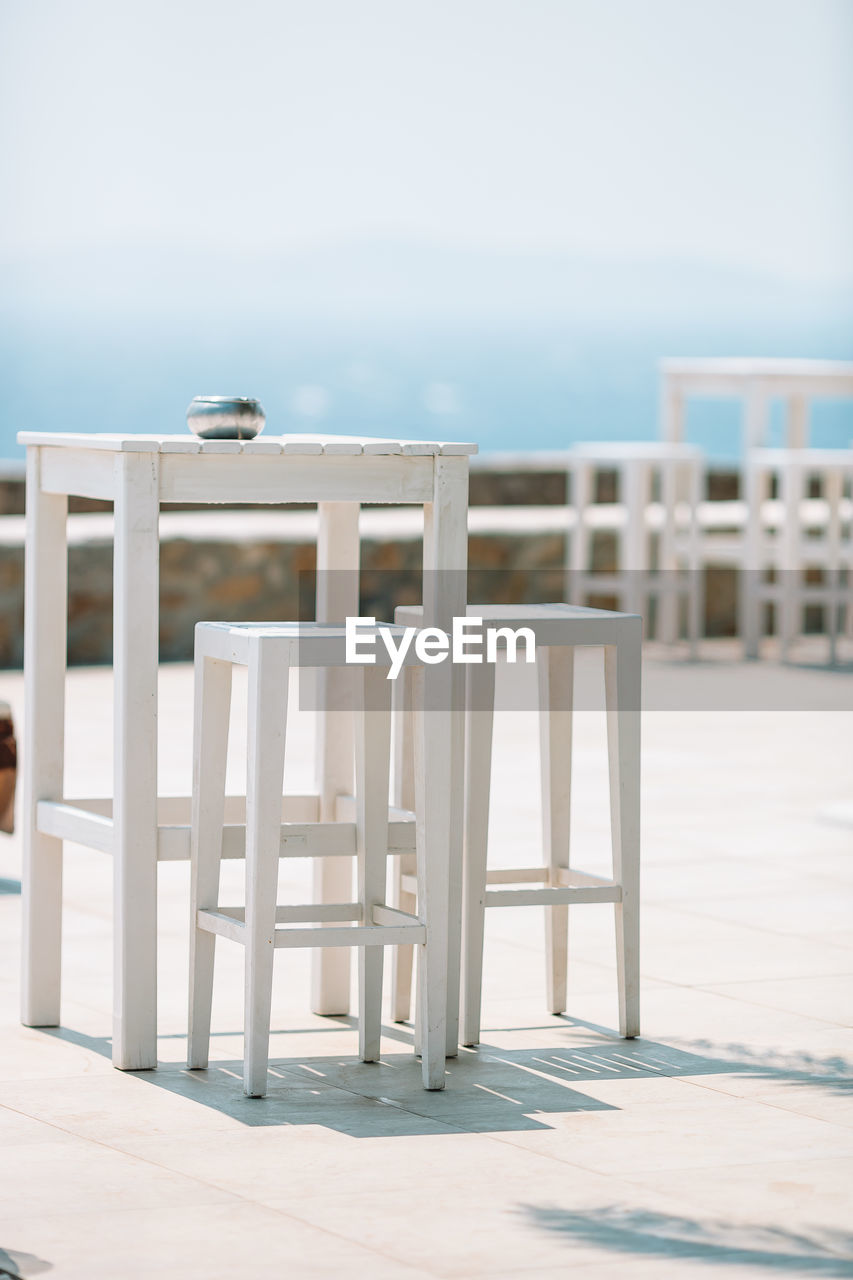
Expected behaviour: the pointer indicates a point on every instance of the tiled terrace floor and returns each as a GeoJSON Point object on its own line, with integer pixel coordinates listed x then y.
{"type": "Point", "coordinates": [719, 1144]}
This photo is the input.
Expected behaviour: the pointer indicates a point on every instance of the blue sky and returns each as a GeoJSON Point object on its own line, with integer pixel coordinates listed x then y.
{"type": "Point", "coordinates": [717, 131]}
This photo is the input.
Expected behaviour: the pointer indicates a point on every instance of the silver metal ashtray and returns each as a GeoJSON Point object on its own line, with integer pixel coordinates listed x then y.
{"type": "Point", "coordinates": [225, 417]}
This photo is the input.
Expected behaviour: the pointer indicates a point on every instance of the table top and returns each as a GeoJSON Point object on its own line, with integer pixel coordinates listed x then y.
{"type": "Point", "coordinates": [616, 451]}
{"type": "Point", "coordinates": [756, 367]}
{"type": "Point", "coordinates": [819, 459]}
{"type": "Point", "coordinates": [304, 445]}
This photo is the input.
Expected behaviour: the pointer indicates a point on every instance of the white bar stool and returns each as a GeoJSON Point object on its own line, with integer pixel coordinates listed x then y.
{"type": "Point", "coordinates": [269, 651]}
{"type": "Point", "coordinates": [794, 534]}
{"type": "Point", "coordinates": [558, 629]}
{"type": "Point", "coordinates": [658, 536]}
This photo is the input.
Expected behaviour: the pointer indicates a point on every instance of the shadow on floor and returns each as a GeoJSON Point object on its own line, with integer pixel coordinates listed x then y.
{"type": "Point", "coordinates": [833, 1074]}
{"type": "Point", "coordinates": [640, 1232]}
{"type": "Point", "coordinates": [489, 1089]}
{"type": "Point", "coordinates": [15, 1265]}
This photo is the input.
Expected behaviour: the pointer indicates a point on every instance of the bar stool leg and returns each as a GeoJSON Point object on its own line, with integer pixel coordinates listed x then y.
{"type": "Point", "coordinates": [268, 677]}
{"type": "Point", "coordinates": [580, 542]}
{"type": "Point", "coordinates": [402, 958]}
{"type": "Point", "coordinates": [210, 750]}
{"type": "Point", "coordinates": [372, 773]}
{"type": "Point", "coordinates": [433, 771]}
{"type": "Point", "coordinates": [635, 490]}
{"type": "Point", "coordinates": [480, 699]}
{"type": "Point", "coordinates": [669, 598]}
{"type": "Point", "coordinates": [752, 572]}
{"type": "Point", "coordinates": [456, 837]}
{"type": "Point", "coordinates": [790, 569]}
{"type": "Point", "coordinates": [833, 493]}
{"type": "Point", "coordinates": [622, 671]}
{"type": "Point", "coordinates": [556, 675]}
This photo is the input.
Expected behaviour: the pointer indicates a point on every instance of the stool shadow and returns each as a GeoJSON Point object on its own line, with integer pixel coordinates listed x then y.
{"type": "Point", "coordinates": [641, 1232]}
{"type": "Point", "coordinates": [489, 1089]}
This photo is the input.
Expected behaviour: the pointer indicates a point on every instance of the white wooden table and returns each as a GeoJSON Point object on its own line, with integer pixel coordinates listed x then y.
{"type": "Point", "coordinates": [137, 473]}
{"type": "Point", "coordinates": [756, 382]}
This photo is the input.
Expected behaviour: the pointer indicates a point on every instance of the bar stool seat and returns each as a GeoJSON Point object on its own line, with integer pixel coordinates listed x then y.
{"type": "Point", "coordinates": [269, 651]}
{"type": "Point", "coordinates": [557, 884]}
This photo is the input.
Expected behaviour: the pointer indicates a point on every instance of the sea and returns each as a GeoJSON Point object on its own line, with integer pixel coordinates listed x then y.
{"type": "Point", "coordinates": [514, 352]}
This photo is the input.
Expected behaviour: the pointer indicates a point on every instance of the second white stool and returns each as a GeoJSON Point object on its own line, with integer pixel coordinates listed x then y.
{"type": "Point", "coordinates": [557, 884]}
{"type": "Point", "coordinates": [269, 651]}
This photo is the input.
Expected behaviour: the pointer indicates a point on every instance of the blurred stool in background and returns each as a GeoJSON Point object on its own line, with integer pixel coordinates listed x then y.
{"type": "Point", "coordinates": [798, 545]}
{"type": "Point", "coordinates": [658, 561]}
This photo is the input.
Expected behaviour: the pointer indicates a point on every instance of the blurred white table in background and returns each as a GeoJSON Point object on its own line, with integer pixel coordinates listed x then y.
{"type": "Point", "coordinates": [755, 381]}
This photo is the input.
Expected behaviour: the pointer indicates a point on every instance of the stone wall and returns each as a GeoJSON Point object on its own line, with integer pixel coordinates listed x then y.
{"type": "Point", "coordinates": [255, 578]}
{"type": "Point", "coordinates": [228, 567]}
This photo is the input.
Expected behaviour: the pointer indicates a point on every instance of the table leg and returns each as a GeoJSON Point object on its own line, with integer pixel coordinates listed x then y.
{"type": "Point", "coordinates": [135, 655]}
{"type": "Point", "coordinates": [337, 599]}
{"type": "Point", "coordinates": [445, 597]}
{"type": "Point", "coordinates": [755, 423]}
{"type": "Point", "coordinates": [45, 630]}
{"type": "Point", "coordinates": [672, 412]}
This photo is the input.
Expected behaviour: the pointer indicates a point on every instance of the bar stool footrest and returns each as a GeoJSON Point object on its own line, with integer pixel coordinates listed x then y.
{"type": "Point", "coordinates": [390, 926]}
{"type": "Point", "coordinates": [551, 897]}
{"type": "Point", "coordinates": [572, 887]}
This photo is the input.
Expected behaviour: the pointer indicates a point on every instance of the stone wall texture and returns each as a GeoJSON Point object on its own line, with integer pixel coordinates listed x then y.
{"type": "Point", "coordinates": [261, 580]}
{"type": "Point", "coordinates": [226, 577]}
